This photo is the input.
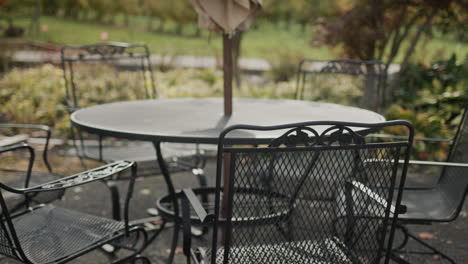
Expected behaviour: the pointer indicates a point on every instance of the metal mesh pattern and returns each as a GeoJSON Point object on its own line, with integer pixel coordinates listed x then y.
{"type": "Point", "coordinates": [49, 234]}
{"type": "Point", "coordinates": [313, 252]}
{"type": "Point", "coordinates": [104, 73]}
{"type": "Point", "coordinates": [300, 201]}
{"type": "Point", "coordinates": [6, 247]}
{"type": "Point", "coordinates": [124, 69]}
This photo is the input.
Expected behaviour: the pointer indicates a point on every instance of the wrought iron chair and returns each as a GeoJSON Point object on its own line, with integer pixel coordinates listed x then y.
{"type": "Point", "coordinates": [49, 234]}
{"type": "Point", "coordinates": [124, 62]}
{"type": "Point", "coordinates": [441, 202]}
{"type": "Point", "coordinates": [28, 176]}
{"type": "Point", "coordinates": [317, 79]}
{"type": "Point", "coordinates": [307, 197]}
{"type": "Point", "coordinates": [126, 72]}
{"type": "Point", "coordinates": [130, 63]}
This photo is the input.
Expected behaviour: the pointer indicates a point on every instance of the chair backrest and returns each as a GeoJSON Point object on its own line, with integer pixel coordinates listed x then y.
{"type": "Point", "coordinates": [106, 72]}
{"type": "Point", "coordinates": [454, 180]}
{"type": "Point", "coordinates": [342, 81]}
{"type": "Point", "coordinates": [311, 194]}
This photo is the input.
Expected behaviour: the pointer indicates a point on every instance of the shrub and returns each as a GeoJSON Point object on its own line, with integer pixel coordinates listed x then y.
{"type": "Point", "coordinates": [37, 95]}
{"type": "Point", "coordinates": [284, 65]}
{"type": "Point", "coordinates": [34, 96]}
{"type": "Point", "coordinates": [432, 98]}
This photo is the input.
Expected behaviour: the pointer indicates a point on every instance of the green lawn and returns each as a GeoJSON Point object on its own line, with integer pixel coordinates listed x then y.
{"type": "Point", "coordinates": [264, 41]}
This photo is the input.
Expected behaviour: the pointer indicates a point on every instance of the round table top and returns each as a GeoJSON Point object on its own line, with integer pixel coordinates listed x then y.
{"type": "Point", "coordinates": [193, 120]}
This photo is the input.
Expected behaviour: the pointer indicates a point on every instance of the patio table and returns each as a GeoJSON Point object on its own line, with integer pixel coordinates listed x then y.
{"type": "Point", "coordinates": [200, 120]}
{"type": "Point", "coordinates": [192, 120]}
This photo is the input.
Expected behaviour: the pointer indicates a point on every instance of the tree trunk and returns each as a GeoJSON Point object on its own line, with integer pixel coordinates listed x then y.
{"type": "Point", "coordinates": [126, 20]}
{"type": "Point", "coordinates": [161, 26]}
{"type": "Point", "coordinates": [370, 98]}
{"type": "Point", "coordinates": [395, 47]}
{"type": "Point", "coordinates": [197, 32]}
{"type": "Point", "coordinates": [149, 25]}
{"type": "Point", "coordinates": [179, 29]}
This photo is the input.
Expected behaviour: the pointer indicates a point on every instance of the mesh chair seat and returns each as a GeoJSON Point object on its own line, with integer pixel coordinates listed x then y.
{"type": "Point", "coordinates": [326, 251]}
{"type": "Point", "coordinates": [49, 234]}
{"type": "Point", "coordinates": [424, 204]}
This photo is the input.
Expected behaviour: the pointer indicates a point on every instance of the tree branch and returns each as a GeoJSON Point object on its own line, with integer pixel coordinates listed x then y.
{"type": "Point", "coordinates": [423, 28]}
{"type": "Point", "coordinates": [399, 39]}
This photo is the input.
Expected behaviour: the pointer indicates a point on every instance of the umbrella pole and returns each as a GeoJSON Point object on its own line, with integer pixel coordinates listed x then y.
{"type": "Point", "coordinates": [228, 72]}
{"type": "Point", "coordinates": [227, 68]}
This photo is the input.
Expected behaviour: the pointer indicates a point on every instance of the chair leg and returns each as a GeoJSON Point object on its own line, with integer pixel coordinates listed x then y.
{"type": "Point", "coordinates": [115, 198]}
{"type": "Point", "coordinates": [77, 149]}
{"type": "Point", "coordinates": [432, 249]}
{"type": "Point", "coordinates": [155, 235]}
{"type": "Point", "coordinates": [175, 239]}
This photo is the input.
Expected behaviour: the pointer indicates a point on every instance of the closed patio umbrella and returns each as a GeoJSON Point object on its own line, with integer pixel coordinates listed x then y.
{"type": "Point", "coordinates": [228, 17]}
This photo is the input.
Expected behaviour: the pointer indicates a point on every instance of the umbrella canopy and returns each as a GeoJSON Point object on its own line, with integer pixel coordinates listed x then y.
{"type": "Point", "coordinates": [228, 17]}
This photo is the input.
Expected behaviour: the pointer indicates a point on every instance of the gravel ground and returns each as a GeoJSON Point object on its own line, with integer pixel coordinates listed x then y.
{"type": "Point", "coordinates": [451, 238]}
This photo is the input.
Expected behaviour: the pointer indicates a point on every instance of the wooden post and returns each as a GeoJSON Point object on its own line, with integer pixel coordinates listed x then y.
{"type": "Point", "coordinates": [227, 69]}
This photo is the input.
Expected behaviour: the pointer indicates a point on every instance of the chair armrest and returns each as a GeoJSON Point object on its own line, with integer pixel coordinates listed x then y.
{"type": "Point", "coordinates": [88, 176]}
{"type": "Point", "coordinates": [35, 127]}
{"type": "Point", "coordinates": [416, 138]}
{"type": "Point", "coordinates": [13, 140]}
{"type": "Point", "coordinates": [427, 163]}
{"type": "Point", "coordinates": [197, 206]}
{"type": "Point", "coordinates": [26, 126]}
{"type": "Point", "coordinates": [189, 197]}
{"type": "Point", "coordinates": [15, 147]}
{"type": "Point", "coordinates": [435, 163]}
{"type": "Point", "coordinates": [31, 158]}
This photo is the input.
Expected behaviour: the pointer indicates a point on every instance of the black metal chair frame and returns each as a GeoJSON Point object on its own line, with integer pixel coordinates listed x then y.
{"type": "Point", "coordinates": [29, 172]}
{"type": "Point", "coordinates": [112, 51]}
{"type": "Point", "coordinates": [337, 136]}
{"type": "Point", "coordinates": [12, 245]}
{"type": "Point", "coordinates": [108, 51]}
{"type": "Point", "coordinates": [102, 52]}
{"type": "Point", "coordinates": [409, 219]}
{"type": "Point", "coordinates": [343, 66]}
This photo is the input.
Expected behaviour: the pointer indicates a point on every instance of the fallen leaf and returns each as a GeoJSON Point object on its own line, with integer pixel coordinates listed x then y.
{"type": "Point", "coordinates": [145, 191]}
{"type": "Point", "coordinates": [436, 257]}
{"type": "Point", "coordinates": [426, 235]}
{"type": "Point", "coordinates": [450, 242]}
{"type": "Point", "coordinates": [178, 250]}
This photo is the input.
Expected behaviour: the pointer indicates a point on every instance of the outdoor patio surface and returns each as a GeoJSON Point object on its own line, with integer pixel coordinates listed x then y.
{"type": "Point", "coordinates": [94, 198]}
